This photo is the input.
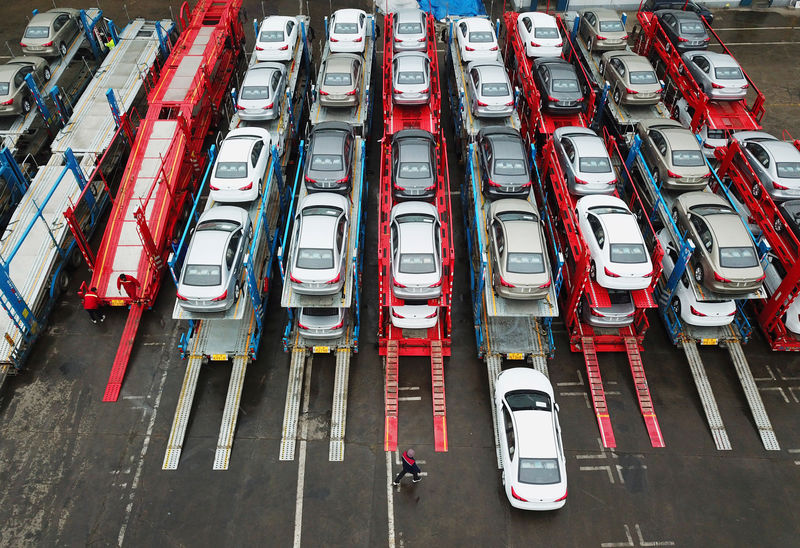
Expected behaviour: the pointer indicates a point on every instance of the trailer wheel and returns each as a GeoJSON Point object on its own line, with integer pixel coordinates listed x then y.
{"type": "Point", "coordinates": [62, 48]}
{"type": "Point", "coordinates": [237, 290]}
{"type": "Point", "coordinates": [75, 256]}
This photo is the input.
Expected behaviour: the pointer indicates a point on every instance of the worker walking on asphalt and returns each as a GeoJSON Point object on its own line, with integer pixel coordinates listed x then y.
{"type": "Point", "coordinates": [91, 303]}
{"type": "Point", "coordinates": [129, 284]}
{"type": "Point", "coordinates": [409, 467]}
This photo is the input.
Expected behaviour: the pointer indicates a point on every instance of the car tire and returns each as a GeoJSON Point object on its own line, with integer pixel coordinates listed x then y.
{"type": "Point", "coordinates": [756, 189]}
{"type": "Point", "coordinates": [675, 214]}
{"type": "Point", "coordinates": [617, 96]}
{"type": "Point", "coordinates": [777, 224]}
{"type": "Point", "coordinates": [47, 73]}
{"type": "Point", "coordinates": [26, 105]}
{"type": "Point", "coordinates": [699, 274]}
{"type": "Point", "coordinates": [676, 307]}
{"type": "Point", "coordinates": [237, 290]}
{"type": "Point", "coordinates": [593, 271]}
{"type": "Point", "coordinates": [62, 48]}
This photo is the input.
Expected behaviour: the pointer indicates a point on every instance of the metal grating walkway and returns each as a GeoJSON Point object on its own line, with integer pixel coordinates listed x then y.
{"type": "Point", "coordinates": [494, 366]}
{"type": "Point", "coordinates": [291, 411]}
{"type": "Point", "coordinates": [713, 417]}
{"type": "Point", "coordinates": [339, 413]}
{"type": "Point", "coordinates": [753, 397]}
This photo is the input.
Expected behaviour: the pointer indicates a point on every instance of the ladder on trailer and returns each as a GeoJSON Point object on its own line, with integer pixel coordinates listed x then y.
{"type": "Point", "coordinates": [598, 393]}
{"type": "Point", "coordinates": [643, 392]}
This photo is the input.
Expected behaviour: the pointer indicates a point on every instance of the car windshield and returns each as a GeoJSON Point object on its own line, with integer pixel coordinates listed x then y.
{"type": "Point", "coordinates": [528, 400]}
{"type": "Point", "coordinates": [496, 89]}
{"type": "Point", "coordinates": [715, 133]}
{"type": "Point", "coordinates": [611, 26]}
{"type": "Point", "coordinates": [255, 92]}
{"type": "Point", "coordinates": [628, 253]}
{"type": "Point", "coordinates": [312, 258]}
{"type": "Point", "coordinates": [565, 85]}
{"type": "Point", "coordinates": [539, 471]}
{"type": "Point", "coordinates": [37, 32]}
{"type": "Point", "coordinates": [417, 263]}
{"type": "Point", "coordinates": [321, 312]}
{"type": "Point", "coordinates": [643, 77]}
{"type": "Point", "coordinates": [546, 32]}
{"type": "Point", "coordinates": [4, 88]}
{"type": "Point", "coordinates": [202, 275]}
{"type": "Point", "coordinates": [525, 263]}
{"type": "Point", "coordinates": [218, 225]}
{"type": "Point", "coordinates": [414, 218]}
{"type": "Point", "coordinates": [338, 79]}
{"type": "Point", "coordinates": [729, 73]}
{"type": "Point", "coordinates": [345, 28]}
{"type": "Point", "coordinates": [415, 170]}
{"type": "Point", "coordinates": [327, 162]}
{"type": "Point", "coordinates": [691, 27]}
{"type": "Point", "coordinates": [711, 209]}
{"type": "Point", "coordinates": [518, 216]}
{"type": "Point", "coordinates": [410, 77]}
{"type": "Point", "coordinates": [509, 166]}
{"type": "Point", "coordinates": [324, 211]}
{"type": "Point", "coordinates": [688, 158]}
{"type": "Point", "coordinates": [609, 210]}
{"type": "Point", "coordinates": [481, 37]}
{"type": "Point", "coordinates": [409, 28]}
{"type": "Point", "coordinates": [595, 164]}
{"type": "Point", "coordinates": [788, 170]}
{"type": "Point", "coordinates": [737, 257]}
{"type": "Point", "coordinates": [231, 170]}
{"type": "Point", "coordinates": [271, 36]}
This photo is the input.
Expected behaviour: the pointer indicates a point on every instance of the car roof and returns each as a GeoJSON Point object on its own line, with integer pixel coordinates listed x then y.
{"type": "Point", "coordinates": [25, 60]}
{"type": "Point", "coordinates": [325, 127]}
{"type": "Point", "coordinates": [329, 199]}
{"type": "Point", "coordinates": [208, 247]}
{"type": "Point", "coordinates": [416, 237]}
{"type": "Point", "coordinates": [8, 71]}
{"type": "Point", "coordinates": [633, 61]}
{"type": "Point", "coordinates": [681, 15]}
{"type": "Point", "coordinates": [489, 70]}
{"type": "Point", "coordinates": [512, 204]}
{"type": "Point", "coordinates": [521, 236]}
{"type": "Point", "coordinates": [604, 14]}
{"type": "Point", "coordinates": [237, 143]}
{"type": "Point", "coordinates": [45, 17]}
{"type": "Point", "coordinates": [409, 15]}
{"type": "Point", "coordinates": [420, 208]}
{"type": "Point", "coordinates": [539, 19]}
{"type": "Point", "coordinates": [261, 73]}
{"type": "Point", "coordinates": [595, 200]}
{"type": "Point", "coordinates": [572, 130]}
{"type": "Point", "coordinates": [412, 133]}
{"type": "Point", "coordinates": [728, 229]}
{"type": "Point", "coordinates": [224, 212]}
{"type": "Point", "coordinates": [587, 145]}
{"type": "Point", "coordinates": [414, 151]}
{"type": "Point", "coordinates": [348, 15]}
{"type": "Point", "coordinates": [317, 231]}
{"type": "Point", "coordinates": [716, 59]}
{"type": "Point", "coordinates": [536, 437]}
{"type": "Point", "coordinates": [661, 124]}
{"type": "Point", "coordinates": [522, 378]}
{"type": "Point", "coordinates": [680, 138]}
{"type": "Point", "coordinates": [340, 61]}
{"type": "Point", "coordinates": [781, 150]}
{"type": "Point", "coordinates": [410, 60]}
{"type": "Point", "coordinates": [696, 198]}
{"type": "Point", "coordinates": [276, 22]}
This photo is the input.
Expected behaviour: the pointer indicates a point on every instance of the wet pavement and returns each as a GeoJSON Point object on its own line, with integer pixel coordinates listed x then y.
{"type": "Point", "coordinates": [76, 471]}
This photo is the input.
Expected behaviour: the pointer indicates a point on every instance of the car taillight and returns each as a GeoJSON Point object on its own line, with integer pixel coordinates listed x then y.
{"type": "Point", "coordinates": [23, 45]}
{"type": "Point", "coordinates": [673, 174]}
{"type": "Point", "coordinates": [397, 284]}
{"type": "Point", "coordinates": [181, 297]}
{"type": "Point", "coordinates": [534, 44]}
{"type": "Point", "coordinates": [437, 284]}
{"type": "Point", "coordinates": [609, 273]}
{"type": "Point", "coordinates": [600, 38]}
{"type": "Point", "coordinates": [269, 106]}
{"type": "Point", "coordinates": [526, 185]}
{"type": "Point", "coordinates": [707, 174]}
{"type": "Point", "coordinates": [545, 285]}
{"type": "Point", "coordinates": [469, 48]}
{"type": "Point", "coordinates": [9, 102]}
{"type": "Point", "coordinates": [239, 107]}
{"type": "Point", "coordinates": [323, 92]}
{"type": "Point", "coordinates": [335, 280]}
{"type": "Point", "coordinates": [397, 314]}
{"type": "Point", "coordinates": [301, 326]}
{"type": "Point", "coordinates": [510, 104]}
{"type": "Point", "coordinates": [516, 496]}
{"type": "Point", "coordinates": [426, 90]}
{"type": "Point", "coordinates": [338, 325]}
{"type": "Point", "coordinates": [624, 37]}
{"type": "Point", "coordinates": [294, 280]}
{"type": "Point", "coordinates": [631, 91]}
{"type": "Point", "coordinates": [696, 312]}
{"type": "Point", "coordinates": [48, 44]}
{"type": "Point", "coordinates": [505, 283]}
{"type": "Point", "coordinates": [482, 104]}
{"type": "Point", "coordinates": [779, 187]}
{"type": "Point", "coordinates": [284, 48]}
{"type": "Point", "coordinates": [745, 86]}
{"type": "Point", "coordinates": [717, 86]}
{"type": "Point", "coordinates": [221, 297]}
{"type": "Point", "coordinates": [432, 315]}
{"type": "Point", "coordinates": [342, 180]}
{"type": "Point", "coordinates": [421, 39]}
{"type": "Point", "coordinates": [553, 99]}
{"type": "Point", "coordinates": [359, 39]}
{"type": "Point", "coordinates": [719, 278]}
{"type": "Point", "coordinates": [761, 279]}
{"type": "Point", "coordinates": [707, 39]}
{"type": "Point", "coordinates": [259, 48]}
{"type": "Point", "coordinates": [706, 145]}
{"type": "Point", "coordinates": [581, 181]}
{"type": "Point", "coordinates": [309, 179]}
{"type": "Point", "coordinates": [732, 313]}
{"type": "Point", "coordinates": [594, 312]}
{"type": "Point", "coordinates": [612, 182]}
{"type": "Point", "coordinates": [651, 273]}
{"type": "Point", "coordinates": [580, 100]}
{"type": "Point", "coordinates": [398, 39]}
{"type": "Point", "coordinates": [682, 39]}
{"type": "Point", "coordinates": [562, 498]}
{"type": "Point", "coordinates": [493, 48]}
{"type": "Point", "coordinates": [332, 39]}
{"type": "Point", "coordinates": [560, 44]}
{"type": "Point", "coordinates": [492, 183]}
{"type": "Point", "coordinates": [427, 187]}
{"type": "Point", "coordinates": [248, 187]}
{"type": "Point", "coordinates": [212, 187]}
{"type": "Point", "coordinates": [351, 92]}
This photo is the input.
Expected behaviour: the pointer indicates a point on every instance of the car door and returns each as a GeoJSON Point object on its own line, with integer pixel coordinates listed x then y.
{"type": "Point", "coordinates": [617, 73]}
{"type": "Point", "coordinates": [291, 32]}
{"type": "Point", "coordinates": [760, 161]}
{"type": "Point", "coordinates": [341, 240]}
{"type": "Point", "coordinates": [262, 153]}
{"type": "Point", "coordinates": [277, 84]}
{"type": "Point", "coordinates": [498, 250]}
{"type": "Point", "coordinates": [362, 21]}
{"type": "Point", "coordinates": [356, 68]}
{"type": "Point", "coordinates": [598, 241]}
{"type": "Point", "coordinates": [525, 27]}
{"type": "Point", "coordinates": [567, 150]}
{"type": "Point", "coordinates": [20, 87]}
{"type": "Point", "coordinates": [462, 37]}
{"type": "Point", "coordinates": [587, 26]}
{"type": "Point", "coordinates": [703, 235]}
{"type": "Point", "coordinates": [701, 69]}
{"type": "Point", "coordinates": [233, 260]}
{"type": "Point", "coordinates": [505, 430]}
{"type": "Point", "coordinates": [474, 85]}
{"type": "Point", "coordinates": [658, 150]}
{"type": "Point", "coordinates": [486, 158]}
{"type": "Point", "coordinates": [394, 244]}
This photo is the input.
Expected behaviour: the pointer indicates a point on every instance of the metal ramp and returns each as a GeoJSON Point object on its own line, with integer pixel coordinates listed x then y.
{"type": "Point", "coordinates": [753, 398]}
{"type": "Point", "coordinates": [494, 366]}
{"type": "Point", "coordinates": [227, 429]}
{"type": "Point", "coordinates": [123, 353]}
{"type": "Point", "coordinates": [181, 419]}
{"type": "Point", "coordinates": [438, 396]}
{"type": "Point", "coordinates": [391, 387]}
{"type": "Point", "coordinates": [643, 392]}
{"type": "Point", "coordinates": [339, 412]}
{"type": "Point", "coordinates": [598, 393]}
{"type": "Point", "coordinates": [715, 424]}
{"type": "Point", "coordinates": [291, 410]}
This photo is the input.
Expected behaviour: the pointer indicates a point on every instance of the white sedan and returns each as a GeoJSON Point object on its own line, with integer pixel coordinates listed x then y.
{"type": "Point", "coordinates": [347, 31]}
{"type": "Point", "coordinates": [539, 34]}
{"type": "Point", "coordinates": [684, 302]}
{"type": "Point", "coordinates": [534, 465]}
{"type": "Point", "coordinates": [415, 315]}
{"type": "Point", "coordinates": [277, 37]}
{"type": "Point", "coordinates": [241, 165]}
{"type": "Point", "coordinates": [476, 39]}
{"type": "Point", "coordinates": [619, 257]}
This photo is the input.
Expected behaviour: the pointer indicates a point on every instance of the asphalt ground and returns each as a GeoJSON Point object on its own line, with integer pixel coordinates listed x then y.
{"type": "Point", "coordinates": [76, 471]}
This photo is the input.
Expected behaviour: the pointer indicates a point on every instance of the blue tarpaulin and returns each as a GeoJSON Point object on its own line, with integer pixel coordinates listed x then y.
{"type": "Point", "coordinates": [443, 8]}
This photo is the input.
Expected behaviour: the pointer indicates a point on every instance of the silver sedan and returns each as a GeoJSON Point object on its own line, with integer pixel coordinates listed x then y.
{"type": "Point", "coordinates": [411, 78]}
{"type": "Point", "coordinates": [410, 30]}
{"type": "Point", "coordinates": [775, 162]}
{"type": "Point", "coordinates": [490, 93]}
{"type": "Point", "coordinates": [262, 92]}
{"type": "Point", "coordinates": [416, 251]}
{"type": "Point", "coordinates": [718, 74]}
{"type": "Point", "coordinates": [341, 80]}
{"type": "Point", "coordinates": [585, 161]}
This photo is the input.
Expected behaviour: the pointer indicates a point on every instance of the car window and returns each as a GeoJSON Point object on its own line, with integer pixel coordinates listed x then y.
{"type": "Point", "coordinates": [658, 141]}
{"type": "Point", "coordinates": [345, 28]}
{"type": "Point", "coordinates": [728, 73]}
{"type": "Point", "coordinates": [703, 63]}
{"type": "Point", "coordinates": [414, 170]}
{"type": "Point", "coordinates": [37, 32]}
{"type": "Point", "coordinates": [539, 471]}
{"type": "Point", "coordinates": [688, 158]}
{"type": "Point", "coordinates": [691, 27]}
{"type": "Point", "coordinates": [202, 275]}
{"type": "Point", "coordinates": [276, 80]}
{"type": "Point", "coordinates": [788, 170]}
{"type": "Point", "coordinates": [611, 26]}
{"type": "Point", "coordinates": [394, 238]}
{"type": "Point", "coordinates": [618, 66]}
{"type": "Point", "coordinates": [233, 245]}
{"type": "Point", "coordinates": [759, 153]}
{"type": "Point", "coordinates": [628, 253]}
{"type": "Point", "coordinates": [412, 77]}
{"type": "Point", "coordinates": [361, 19]}
{"type": "Point", "coordinates": [271, 36]}
{"type": "Point", "coordinates": [509, 427]}
{"type": "Point", "coordinates": [590, 18]}
{"type": "Point", "coordinates": [19, 78]}
{"type": "Point", "coordinates": [463, 27]}
{"type": "Point", "coordinates": [643, 77]}
{"type": "Point", "coordinates": [738, 257]}
{"type": "Point", "coordinates": [565, 85]}
{"type": "Point", "coordinates": [417, 263]}
{"type": "Point", "coordinates": [525, 263]}
{"type": "Point", "coordinates": [231, 170]}
{"type": "Point", "coordinates": [569, 149]}
{"type": "Point", "coordinates": [492, 89]}
{"type": "Point", "coordinates": [256, 152]}
{"type": "Point", "coordinates": [527, 23]}
{"type": "Point", "coordinates": [481, 37]}
{"type": "Point", "coordinates": [255, 92]}
{"type": "Point", "coordinates": [597, 229]}
{"type": "Point", "coordinates": [58, 23]}
{"type": "Point", "coordinates": [327, 162]}
{"type": "Point", "coordinates": [703, 231]}
{"type": "Point", "coordinates": [475, 78]}
{"type": "Point", "coordinates": [289, 28]}
{"type": "Point", "coordinates": [546, 33]}
{"type": "Point", "coordinates": [314, 258]}
{"type": "Point", "coordinates": [499, 240]}
{"type": "Point", "coordinates": [340, 233]}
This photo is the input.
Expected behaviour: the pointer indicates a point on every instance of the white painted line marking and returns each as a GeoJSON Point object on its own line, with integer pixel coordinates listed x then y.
{"type": "Point", "coordinates": [140, 465]}
{"type": "Point", "coordinates": [729, 44]}
{"type": "Point", "coordinates": [408, 387]}
{"type": "Point", "coordinates": [630, 542]}
{"type": "Point", "coordinates": [595, 468]}
{"type": "Point", "coordinates": [409, 398]}
{"type": "Point", "coordinates": [389, 499]}
{"type": "Point", "coordinates": [756, 28]}
{"type": "Point", "coordinates": [793, 450]}
{"type": "Point", "coordinates": [301, 469]}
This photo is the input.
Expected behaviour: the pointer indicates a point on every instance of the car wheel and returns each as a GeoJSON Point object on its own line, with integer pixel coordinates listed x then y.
{"type": "Point", "coordinates": [63, 49]}
{"type": "Point", "coordinates": [777, 224]}
{"type": "Point", "coordinates": [237, 290]}
{"type": "Point", "coordinates": [756, 190]}
{"type": "Point", "coordinates": [47, 73]}
{"type": "Point", "coordinates": [675, 214]}
{"type": "Point", "coordinates": [617, 96]}
{"type": "Point", "coordinates": [698, 274]}
{"type": "Point", "coordinates": [593, 271]}
{"type": "Point", "coordinates": [26, 105]}
{"type": "Point", "coordinates": [676, 307]}
{"type": "Point", "coordinates": [657, 175]}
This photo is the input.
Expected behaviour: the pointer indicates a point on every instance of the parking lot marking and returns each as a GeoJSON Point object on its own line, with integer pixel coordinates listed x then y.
{"type": "Point", "coordinates": [757, 43]}
{"type": "Point", "coordinates": [755, 28]}
{"type": "Point", "coordinates": [586, 396]}
{"type": "Point", "coordinates": [301, 468]}
{"type": "Point", "coordinates": [595, 468]}
{"type": "Point", "coordinates": [409, 398]}
{"type": "Point", "coordinates": [779, 378]}
{"type": "Point", "coordinates": [775, 389]}
{"type": "Point", "coordinates": [390, 498]}
{"type": "Point", "coordinates": [641, 541]}
{"type": "Point", "coordinates": [408, 387]}
{"type": "Point", "coordinates": [603, 454]}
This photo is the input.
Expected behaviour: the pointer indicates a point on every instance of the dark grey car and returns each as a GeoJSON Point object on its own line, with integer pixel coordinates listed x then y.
{"type": "Point", "coordinates": [619, 314]}
{"type": "Point", "coordinates": [330, 158]}
{"type": "Point", "coordinates": [559, 85]}
{"type": "Point", "coordinates": [413, 164]}
{"type": "Point", "coordinates": [684, 29]}
{"type": "Point", "coordinates": [504, 163]}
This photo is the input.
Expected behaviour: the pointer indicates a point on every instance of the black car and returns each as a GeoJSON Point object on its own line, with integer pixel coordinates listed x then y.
{"type": "Point", "coordinates": [329, 162]}
{"type": "Point", "coordinates": [413, 165]}
{"type": "Point", "coordinates": [504, 163]}
{"type": "Point", "coordinates": [685, 5]}
{"type": "Point", "coordinates": [790, 211]}
{"type": "Point", "coordinates": [559, 85]}
{"type": "Point", "coordinates": [684, 29]}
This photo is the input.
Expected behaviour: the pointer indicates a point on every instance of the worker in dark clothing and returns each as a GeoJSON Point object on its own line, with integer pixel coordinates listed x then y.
{"type": "Point", "coordinates": [129, 284]}
{"type": "Point", "coordinates": [91, 302]}
{"type": "Point", "coordinates": [409, 467]}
